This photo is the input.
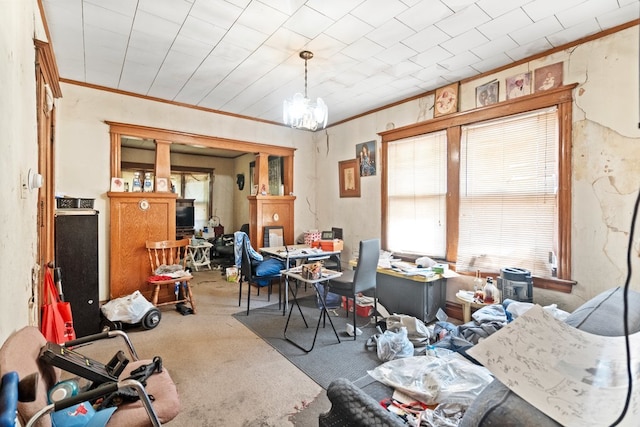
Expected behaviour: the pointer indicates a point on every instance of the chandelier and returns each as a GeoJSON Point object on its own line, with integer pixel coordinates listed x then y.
{"type": "Point", "coordinates": [299, 112]}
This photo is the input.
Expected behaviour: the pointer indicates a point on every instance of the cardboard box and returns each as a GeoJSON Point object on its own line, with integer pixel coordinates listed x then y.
{"type": "Point", "coordinates": [330, 245]}
{"type": "Point", "coordinates": [232, 274]}
{"type": "Point", "coordinates": [361, 310]}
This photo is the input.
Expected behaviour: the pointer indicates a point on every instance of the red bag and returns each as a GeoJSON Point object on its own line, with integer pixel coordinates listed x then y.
{"type": "Point", "coordinates": [57, 320]}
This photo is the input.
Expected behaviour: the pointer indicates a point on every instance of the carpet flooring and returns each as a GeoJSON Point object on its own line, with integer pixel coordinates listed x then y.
{"type": "Point", "coordinates": [329, 359]}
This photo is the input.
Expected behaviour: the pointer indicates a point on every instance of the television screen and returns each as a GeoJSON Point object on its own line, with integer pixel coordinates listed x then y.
{"type": "Point", "coordinates": [184, 216]}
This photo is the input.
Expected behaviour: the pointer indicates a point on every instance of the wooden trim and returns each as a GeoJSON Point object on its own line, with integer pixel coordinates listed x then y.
{"type": "Point", "coordinates": [453, 310]}
{"type": "Point", "coordinates": [195, 139]}
{"type": "Point", "coordinates": [523, 104]}
{"type": "Point", "coordinates": [553, 284]}
{"type": "Point", "coordinates": [562, 98]}
{"type": "Point", "coordinates": [453, 190]}
{"type": "Point", "coordinates": [564, 190]}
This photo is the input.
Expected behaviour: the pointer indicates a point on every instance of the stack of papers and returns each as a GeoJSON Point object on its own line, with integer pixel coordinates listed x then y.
{"type": "Point", "coordinates": [410, 268]}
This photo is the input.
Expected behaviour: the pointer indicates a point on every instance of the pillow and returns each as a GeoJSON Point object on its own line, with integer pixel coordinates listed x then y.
{"type": "Point", "coordinates": [269, 267]}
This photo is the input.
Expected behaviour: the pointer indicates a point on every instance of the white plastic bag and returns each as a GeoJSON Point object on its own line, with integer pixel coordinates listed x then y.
{"type": "Point", "coordinates": [432, 380]}
{"type": "Point", "coordinates": [394, 344]}
{"type": "Point", "coordinates": [129, 309]}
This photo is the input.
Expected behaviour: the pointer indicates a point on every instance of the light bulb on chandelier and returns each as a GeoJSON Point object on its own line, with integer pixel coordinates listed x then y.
{"type": "Point", "coordinates": [299, 112]}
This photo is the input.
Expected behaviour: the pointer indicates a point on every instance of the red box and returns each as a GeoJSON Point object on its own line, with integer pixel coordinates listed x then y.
{"type": "Point", "coordinates": [361, 310]}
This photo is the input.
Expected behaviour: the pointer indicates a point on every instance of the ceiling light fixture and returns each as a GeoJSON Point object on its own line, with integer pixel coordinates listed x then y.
{"type": "Point", "coordinates": [299, 112]}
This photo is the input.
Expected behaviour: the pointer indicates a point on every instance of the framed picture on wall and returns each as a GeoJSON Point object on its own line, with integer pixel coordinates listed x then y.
{"type": "Point", "coordinates": [548, 77]}
{"type": "Point", "coordinates": [349, 178]}
{"type": "Point", "coordinates": [487, 94]}
{"type": "Point", "coordinates": [366, 154]}
{"type": "Point", "coordinates": [518, 85]}
{"type": "Point", "coordinates": [446, 100]}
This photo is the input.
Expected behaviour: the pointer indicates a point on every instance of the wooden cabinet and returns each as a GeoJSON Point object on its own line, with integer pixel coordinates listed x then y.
{"type": "Point", "coordinates": [270, 210]}
{"type": "Point", "coordinates": [136, 218]}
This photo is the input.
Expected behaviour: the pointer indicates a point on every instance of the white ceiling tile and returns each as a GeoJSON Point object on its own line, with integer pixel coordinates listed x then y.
{"type": "Point", "coordinates": [201, 31]}
{"type": "Point", "coordinates": [260, 17]}
{"type": "Point", "coordinates": [173, 11]}
{"type": "Point", "coordinates": [504, 24]}
{"type": "Point", "coordinates": [586, 11]}
{"type": "Point", "coordinates": [390, 33]}
{"type": "Point", "coordinates": [464, 41]}
{"type": "Point", "coordinates": [362, 49]}
{"type": "Point", "coordinates": [489, 49]}
{"type": "Point", "coordinates": [426, 39]}
{"type": "Point", "coordinates": [287, 40]}
{"type": "Point", "coordinates": [432, 56]}
{"type": "Point", "coordinates": [492, 63]}
{"type": "Point", "coordinates": [219, 12]}
{"type": "Point", "coordinates": [377, 12]}
{"type": "Point", "coordinates": [424, 14]}
{"type": "Point", "coordinates": [234, 55]}
{"type": "Point", "coordinates": [495, 8]}
{"type": "Point", "coordinates": [404, 68]}
{"type": "Point", "coordinates": [620, 16]}
{"type": "Point", "coordinates": [287, 7]}
{"type": "Point", "coordinates": [576, 32]}
{"type": "Point", "coordinates": [457, 5]}
{"type": "Point", "coordinates": [334, 9]}
{"type": "Point", "coordinates": [463, 20]}
{"type": "Point", "coordinates": [348, 29]}
{"type": "Point", "coordinates": [308, 22]}
{"type": "Point", "coordinates": [124, 7]}
{"type": "Point", "coordinates": [104, 18]}
{"type": "Point", "coordinates": [529, 49]}
{"type": "Point", "coordinates": [245, 37]}
{"type": "Point", "coordinates": [540, 9]}
{"type": "Point", "coordinates": [396, 54]}
{"type": "Point", "coordinates": [536, 31]}
{"type": "Point", "coordinates": [459, 61]}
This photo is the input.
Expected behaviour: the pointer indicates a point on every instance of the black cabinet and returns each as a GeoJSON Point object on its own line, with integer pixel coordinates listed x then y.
{"type": "Point", "coordinates": [76, 252]}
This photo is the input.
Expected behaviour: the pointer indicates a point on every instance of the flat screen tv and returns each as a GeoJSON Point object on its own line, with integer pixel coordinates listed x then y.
{"type": "Point", "coordinates": [185, 216]}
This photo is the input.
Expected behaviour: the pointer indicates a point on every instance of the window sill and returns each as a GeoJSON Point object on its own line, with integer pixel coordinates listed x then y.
{"type": "Point", "coordinates": [554, 284]}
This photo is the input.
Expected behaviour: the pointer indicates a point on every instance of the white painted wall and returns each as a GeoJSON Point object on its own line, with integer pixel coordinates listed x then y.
{"type": "Point", "coordinates": [606, 163]}
{"type": "Point", "coordinates": [18, 139]}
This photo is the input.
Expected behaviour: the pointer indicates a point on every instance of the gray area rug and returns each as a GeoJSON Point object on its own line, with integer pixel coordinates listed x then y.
{"type": "Point", "coordinates": [329, 359]}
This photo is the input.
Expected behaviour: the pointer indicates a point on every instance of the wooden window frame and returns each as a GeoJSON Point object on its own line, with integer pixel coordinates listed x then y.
{"type": "Point", "coordinates": [562, 98]}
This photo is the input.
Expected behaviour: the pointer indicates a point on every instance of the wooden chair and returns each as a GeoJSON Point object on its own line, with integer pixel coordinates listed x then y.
{"type": "Point", "coordinates": [170, 252]}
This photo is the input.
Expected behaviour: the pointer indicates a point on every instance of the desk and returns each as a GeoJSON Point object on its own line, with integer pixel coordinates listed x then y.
{"type": "Point", "coordinates": [417, 296]}
{"type": "Point", "coordinates": [199, 255]}
{"type": "Point", "coordinates": [296, 253]}
{"type": "Point", "coordinates": [295, 273]}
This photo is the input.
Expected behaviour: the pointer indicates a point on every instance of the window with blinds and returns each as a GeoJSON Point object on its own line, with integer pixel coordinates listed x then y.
{"type": "Point", "coordinates": [416, 190]}
{"type": "Point", "coordinates": [508, 193]}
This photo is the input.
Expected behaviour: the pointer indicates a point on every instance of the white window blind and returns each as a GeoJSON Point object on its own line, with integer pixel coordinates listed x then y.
{"type": "Point", "coordinates": [508, 189]}
{"type": "Point", "coordinates": [416, 190]}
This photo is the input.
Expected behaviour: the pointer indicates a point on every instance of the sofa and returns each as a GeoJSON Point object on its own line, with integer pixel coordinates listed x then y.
{"type": "Point", "coordinates": [496, 405]}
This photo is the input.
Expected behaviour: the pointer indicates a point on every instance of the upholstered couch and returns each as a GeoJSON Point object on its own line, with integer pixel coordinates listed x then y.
{"type": "Point", "coordinates": [496, 405]}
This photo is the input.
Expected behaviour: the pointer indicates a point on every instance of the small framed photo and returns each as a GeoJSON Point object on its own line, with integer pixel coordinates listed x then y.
{"type": "Point", "coordinates": [487, 94]}
{"type": "Point", "coordinates": [366, 153]}
{"type": "Point", "coordinates": [548, 77]}
{"type": "Point", "coordinates": [446, 100]}
{"type": "Point", "coordinates": [117, 185]}
{"type": "Point", "coordinates": [349, 178]}
{"type": "Point", "coordinates": [162, 185]}
{"type": "Point", "coordinates": [519, 85]}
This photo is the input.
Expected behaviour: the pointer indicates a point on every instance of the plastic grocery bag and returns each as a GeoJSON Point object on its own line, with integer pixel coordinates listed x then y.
{"type": "Point", "coordinates": [394, 344]}
{"type": "Point", "coordinates": [129, 309]}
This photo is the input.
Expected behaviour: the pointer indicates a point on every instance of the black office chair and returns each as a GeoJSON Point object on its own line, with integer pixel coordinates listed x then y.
{"type": "Point", "coordinates": [248, 272]}
{"type": "Point", "coordinates": [361, 279]}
